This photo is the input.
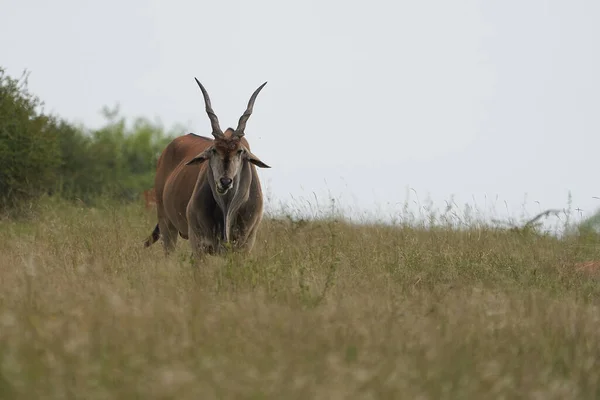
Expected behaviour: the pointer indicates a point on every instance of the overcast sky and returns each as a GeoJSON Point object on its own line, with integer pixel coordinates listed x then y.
{"type": "Point", "coordinates": [492, 102]}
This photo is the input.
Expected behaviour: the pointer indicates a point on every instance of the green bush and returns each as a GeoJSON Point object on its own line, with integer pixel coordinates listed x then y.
{"type": "Point", "coordinates": [29, 147]}
{"type": "Point", "coordinates": [42, 154]}
{"type": "Point", "coordinates": [124, 158]}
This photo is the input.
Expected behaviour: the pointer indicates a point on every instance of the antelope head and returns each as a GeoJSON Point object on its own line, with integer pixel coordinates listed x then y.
{"type": "Point", "coordinates": [227, 155]}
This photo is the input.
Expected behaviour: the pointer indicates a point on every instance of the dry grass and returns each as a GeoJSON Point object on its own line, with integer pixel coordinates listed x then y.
{"type": "Point", "coordinates": [320, 310]}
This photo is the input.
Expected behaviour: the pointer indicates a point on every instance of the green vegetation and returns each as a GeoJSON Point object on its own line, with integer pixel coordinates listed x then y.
{"type": "Point", "coordinates": [42, 154]}
{"type": "Point", "coordinates": [29, 147]}
{"type": "Point", "coordinates": [453, 308]}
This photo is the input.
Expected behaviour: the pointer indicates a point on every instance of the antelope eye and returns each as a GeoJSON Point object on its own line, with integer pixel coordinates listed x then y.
{"type": "Point", "coordinates": [240, 151]}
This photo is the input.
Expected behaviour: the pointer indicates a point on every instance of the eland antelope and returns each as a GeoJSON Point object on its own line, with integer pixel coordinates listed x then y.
{"type": "Point", "coordinates": [207, 190]}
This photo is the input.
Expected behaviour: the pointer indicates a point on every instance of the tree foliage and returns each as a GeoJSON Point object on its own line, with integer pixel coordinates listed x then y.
{"type": "Point", "coordinates": [42, 154]}
{"type": "Point", "coordinates": [29, 151]}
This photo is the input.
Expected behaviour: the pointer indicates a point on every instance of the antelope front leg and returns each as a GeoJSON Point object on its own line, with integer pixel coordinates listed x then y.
{"type": "Point", "coordinates": [245, 244]}
{"type": "Point", "coordinates": [201, 245]}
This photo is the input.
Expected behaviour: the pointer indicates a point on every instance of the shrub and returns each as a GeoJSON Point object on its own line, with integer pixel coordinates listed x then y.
{"type": "Point", "coordinates": [29, 149]}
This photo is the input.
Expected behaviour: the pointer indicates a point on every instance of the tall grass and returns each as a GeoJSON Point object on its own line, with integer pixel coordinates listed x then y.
{"type": "Point", "coordinates": [320, 309]}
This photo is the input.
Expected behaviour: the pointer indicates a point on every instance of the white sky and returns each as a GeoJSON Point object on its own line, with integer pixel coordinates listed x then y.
{"type": "Point", "coordinates": [486, 101]}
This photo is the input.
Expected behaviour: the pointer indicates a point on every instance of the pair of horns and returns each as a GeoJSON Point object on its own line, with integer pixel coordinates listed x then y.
{"type": "Point", "coordinates": [214, 121]}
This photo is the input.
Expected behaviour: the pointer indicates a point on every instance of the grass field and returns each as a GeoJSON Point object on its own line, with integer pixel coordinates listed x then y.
{"type": "Point", "coordinates": [321, 309]}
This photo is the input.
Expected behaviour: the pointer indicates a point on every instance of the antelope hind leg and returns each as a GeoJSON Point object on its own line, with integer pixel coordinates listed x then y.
{"type": "Point", "coordinates": [169, 235]}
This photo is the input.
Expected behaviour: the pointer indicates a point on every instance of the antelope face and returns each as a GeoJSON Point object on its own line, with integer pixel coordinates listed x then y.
{"type": "Point", "coordinates": [226, 159]}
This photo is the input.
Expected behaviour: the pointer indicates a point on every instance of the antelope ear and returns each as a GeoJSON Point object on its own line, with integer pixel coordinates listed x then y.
{"type": "Point", "coordinates": [200, 158]}
{"type": "Point", "coordinates": [255, 160]}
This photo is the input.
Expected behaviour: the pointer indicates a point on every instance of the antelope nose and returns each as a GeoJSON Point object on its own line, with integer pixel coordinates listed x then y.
{"type": "Point", "coordinates": [226, 182]}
